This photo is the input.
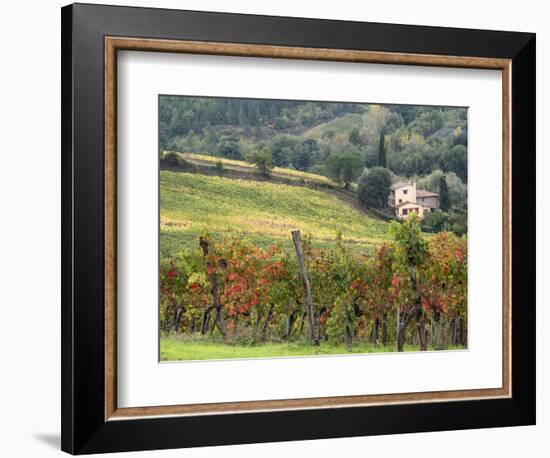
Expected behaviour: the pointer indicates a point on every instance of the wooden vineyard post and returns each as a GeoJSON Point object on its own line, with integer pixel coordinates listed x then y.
{"type": "Point", "coordinates": [214, 289]}
{"type": "Point", "coordinates": [307, 286]}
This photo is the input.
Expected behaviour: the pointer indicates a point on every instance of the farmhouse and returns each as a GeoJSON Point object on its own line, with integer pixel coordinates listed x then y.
{"type": "Point", "coordinates": [404, 198]}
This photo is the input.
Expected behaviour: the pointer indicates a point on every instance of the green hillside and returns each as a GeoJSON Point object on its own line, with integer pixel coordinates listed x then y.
{"type": "Point", "coordinates": [232, 164]}
{"type": "Point", "coordinates": [264, 213]}
{"type": "Point", "coordinates": [340, 125]}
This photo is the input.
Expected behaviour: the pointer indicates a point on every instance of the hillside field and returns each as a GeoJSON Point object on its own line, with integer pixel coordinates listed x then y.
{"type": "Point", "coordinates": [339, 125]}
{"type": "Point", "coordinates": [261, 212]}
{"type": "Point", "coordinates": [232, 164]}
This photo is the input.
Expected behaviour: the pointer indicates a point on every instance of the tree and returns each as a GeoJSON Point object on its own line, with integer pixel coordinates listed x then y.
{"type": "Point", "coordinates": [374, 187]}
{"type": "Point", "coordinates": [229, 148]}
{"type": "Point", "coordinates": [219, 167]}
{"type": "Point", "coordinates": [262, 160]}
{"type": "Point", "coordinates": [171, 159]}
{"type": "Point", "coordinates": [382, 150]}
{"type": "Point", "coordinates": [456, 160]}
{"type": "Point", "coordinates": [282, 149]}
{"type": "Point", "coordinates": [374, 120]}
{"type": "Point", "coordinates": [254, 113]}
{"type": "Point", "coordinates": [302, 157]}
{"type": "Point", "coordinates": [343, 168]}
{"type": "Point", "coordinates": [243, 120]}
{"type": "Point", "coordinates": [457, 189]}
{"type": "Point", "coordinates": [444, 200]}
{"type": "Point", "coordinates": [458, 221]}
{"type": "Point", "coordinates": [418, 140]}
{"type": "Point", "coordinates": [329, 134]}
{"type": "Point", "coordinates": [417, 157]}
{"type": "Point", "coordinates": [355, 137]}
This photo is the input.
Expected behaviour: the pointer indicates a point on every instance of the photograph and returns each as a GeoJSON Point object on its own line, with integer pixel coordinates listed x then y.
{"type": "Point", "coordinates": [311, 228]}
{"type": "Point", "coordinates": [265, 219]}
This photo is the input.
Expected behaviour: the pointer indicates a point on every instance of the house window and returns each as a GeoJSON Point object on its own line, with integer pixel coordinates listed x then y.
{"type": "Point", "coordinates": [400, 201]}
{"type": "Point", "coordinates": [405, 211]}
{"type": "Point", "coordinates": [405, 191]}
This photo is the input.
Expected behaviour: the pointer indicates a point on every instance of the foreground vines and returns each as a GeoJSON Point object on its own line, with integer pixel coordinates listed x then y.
{"type": "Point", "coordinates": [412, 290]}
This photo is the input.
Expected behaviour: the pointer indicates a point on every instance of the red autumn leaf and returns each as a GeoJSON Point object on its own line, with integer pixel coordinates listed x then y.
{"type": "Point", "coordinates": [194, 287]}
{"type": "Point", "coordinates": [425, 303]}
{"type": "Point", "coordinates": [211, 269]}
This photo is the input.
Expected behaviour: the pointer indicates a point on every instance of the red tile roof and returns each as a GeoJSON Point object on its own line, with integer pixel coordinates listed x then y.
{"type": "Point", "coordinates": [408, 203]}
{"type": "Point", "coordinates": [423, 193]}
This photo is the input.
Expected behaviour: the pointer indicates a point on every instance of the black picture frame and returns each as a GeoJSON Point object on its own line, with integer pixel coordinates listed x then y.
{"type": "Point", "coordinates": [84, 429]}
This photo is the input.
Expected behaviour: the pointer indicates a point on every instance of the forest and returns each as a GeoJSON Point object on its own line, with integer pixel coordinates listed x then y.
{"type": "Point", "coordinates": [304, 135]}
{"type": "Point", "coordinates": [277, 238]}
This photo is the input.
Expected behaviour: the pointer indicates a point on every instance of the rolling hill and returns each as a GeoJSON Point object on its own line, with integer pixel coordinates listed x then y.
{"type": "Point", "coordinates": [204, 160]}
{"type": "Point", "coordinates": [339, 125]}
{"type": "Point", "coordinates": [261, 212]}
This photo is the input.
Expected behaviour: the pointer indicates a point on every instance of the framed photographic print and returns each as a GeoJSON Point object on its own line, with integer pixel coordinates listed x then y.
{"type": "Point", "coordinates": [281, 228]}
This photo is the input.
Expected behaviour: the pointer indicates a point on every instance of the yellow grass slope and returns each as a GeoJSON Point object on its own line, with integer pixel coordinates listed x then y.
{"type": "Point", "coordinates": [262, 212]}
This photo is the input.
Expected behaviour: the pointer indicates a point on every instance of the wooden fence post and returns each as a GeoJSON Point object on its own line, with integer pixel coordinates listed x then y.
{"type": "Point", "coordinates": [307, 287]}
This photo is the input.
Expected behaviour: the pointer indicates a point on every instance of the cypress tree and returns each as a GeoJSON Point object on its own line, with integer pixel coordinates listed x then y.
{"type": "Point", "coordinates": [243, 120]}
{"type": "Point", "coordinates": [355, 137]}
{"type": "Point", "coordinates": [444, 201]}
{"type": "Point", "coordinates": [382, 150]}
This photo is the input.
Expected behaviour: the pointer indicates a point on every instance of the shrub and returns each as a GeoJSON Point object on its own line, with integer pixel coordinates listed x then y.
{"type": "Point", "coordinates": [437, 221]}
{"type": "Point", "coordinates": [262, 161]}
{"type": "Point", "coordinates": [456, 220]}
{"type": "Point", "coordinates": [171, 159]}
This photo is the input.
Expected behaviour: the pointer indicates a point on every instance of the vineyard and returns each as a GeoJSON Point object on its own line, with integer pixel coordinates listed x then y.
{"type": "Point", "coordinates": [279, 235]}
{"type": "Point", "coordinates": [282, 172]}
{"type": "Point", "coordinates": [228, 296]}
{"type": "Point", "coordinates": [261, 212]}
